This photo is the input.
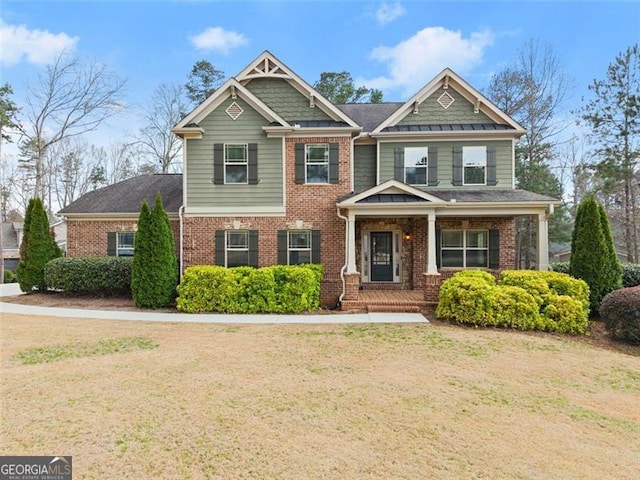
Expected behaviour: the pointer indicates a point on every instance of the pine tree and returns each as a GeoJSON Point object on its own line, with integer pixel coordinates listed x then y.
{"type": "Point", "coordinates": [141, 282]}
{"type": "Point", "coordinates": [22, 265]}
{"type": "Point", "coordinates": [164, 256]}
{"type": "Point", "coordinates": [612, 269]}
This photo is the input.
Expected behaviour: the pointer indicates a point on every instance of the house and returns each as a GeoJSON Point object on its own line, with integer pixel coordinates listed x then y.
{"type": "Point", "coordinates": [388, 197]}
{"type": "Point", "coordinates": [11, 236]}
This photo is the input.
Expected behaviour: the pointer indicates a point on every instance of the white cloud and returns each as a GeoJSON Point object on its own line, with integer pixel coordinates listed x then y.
{"type": "Point", "coordinates": [35, 46]}
{"type": "Point", "coordinates": [388, 12]}
{"type": "Point", "coordinates": [415, 61]}
{"type": "Point", "coordinates": [218, 39]}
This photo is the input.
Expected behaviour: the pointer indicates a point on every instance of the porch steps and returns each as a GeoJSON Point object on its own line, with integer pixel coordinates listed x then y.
{"type": "Point", "coordinates": [387, 301]}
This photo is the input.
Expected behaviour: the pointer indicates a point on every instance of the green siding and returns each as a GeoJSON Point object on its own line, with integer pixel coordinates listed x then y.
{"type": "Point", "coordinates": [364, 167]}
{"type": "Point", "coordinates": [445, 161]}
{"type": "Point", "coordinates": [220, 128]}
{"type": "Point", "coordinates": [430, 112]}
{"type": "Point", "coordinates": [285, 100]}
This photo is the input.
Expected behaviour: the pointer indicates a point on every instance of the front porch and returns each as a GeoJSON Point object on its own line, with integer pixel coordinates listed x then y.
{"type": "Point", "coordinates": [407, 301]}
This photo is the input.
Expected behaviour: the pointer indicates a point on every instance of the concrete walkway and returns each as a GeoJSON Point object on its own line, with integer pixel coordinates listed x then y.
{"type": "Point", "coordinates": [329, 318]}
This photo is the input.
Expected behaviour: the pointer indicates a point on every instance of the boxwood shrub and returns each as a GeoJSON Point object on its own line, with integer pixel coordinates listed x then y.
{"type": "Point", "coordinates": [275, 289]}
{"type": "Point", "coordinates": [620, 311]}
{"type": "Point", "coordinates": [630, 275]}
{"type": "Point", "coordinates": [97, 275]}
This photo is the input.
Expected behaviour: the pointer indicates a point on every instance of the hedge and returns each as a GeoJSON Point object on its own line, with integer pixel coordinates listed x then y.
{"type": "Point", "coordinates": [525, 300]}
{"type": "Point", "coordinates": [630, 272]}
{"type": "Point", "coordinates": [98, 275]}
{"type": "Point", "coordinates": [620, 311]}
{"type": "Point", "coordinates": [275, 289]}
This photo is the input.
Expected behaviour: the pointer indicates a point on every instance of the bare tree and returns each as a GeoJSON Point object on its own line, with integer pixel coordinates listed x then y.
{"type": "Point", "coordinates": [72, 169]}
{"type": "Point", "coordinates": [114, 163]}
{"type": "Point", "coordinates": [165, 109]}
{"type": "Point", "coordinates": [71, 98]}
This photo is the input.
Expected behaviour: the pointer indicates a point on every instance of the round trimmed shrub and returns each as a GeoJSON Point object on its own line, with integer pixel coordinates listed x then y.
{"type": "Point", "coordinates": [620, 311]}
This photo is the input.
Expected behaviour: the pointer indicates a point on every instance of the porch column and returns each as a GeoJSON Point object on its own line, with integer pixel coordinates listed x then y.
{"type": "Point", "coordinates": [432, 267]}
{"type": "Point", "coordinates": [543, 241]}
{"type": "Point", "coordinates": [351, 243]}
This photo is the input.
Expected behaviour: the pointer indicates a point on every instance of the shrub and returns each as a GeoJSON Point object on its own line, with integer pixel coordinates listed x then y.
{"type": "Point", "coordinates": [564, 314]}
{"type": "Point", "coordinates": [97, 275]}
{"type": "Point", "coordinates": [630, 275]}
{"type": "Point", "coordinates": [465, 297]}
{"type": "Point", "coordinates": [276, 289]}
{"type": "Point", "coordinates": [9, 277]}
{"type": "Point", "coordinates": [560, 267]}
{"type": "Point", "coordinates": [620, 311]}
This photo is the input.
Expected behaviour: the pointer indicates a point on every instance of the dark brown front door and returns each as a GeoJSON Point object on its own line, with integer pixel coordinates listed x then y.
{"type": "Point", "coordinates": [381, 257]}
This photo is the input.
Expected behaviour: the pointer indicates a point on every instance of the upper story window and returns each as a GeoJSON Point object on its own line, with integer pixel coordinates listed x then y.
{"type": "Point", "coordinates": [416, 165]}
{"type": "Point", "coordinates": [474, 165]}
{"type": "Point", "coordinates": [236, 248]}
{"type": "Point", "coordinates": [465, 248]}
{"type": "Point", "coordinates": [236, 163]}
{"type": "Point", "coordinates": [317, 163]}
{"type": "Point", "coordinates": [125, 242]}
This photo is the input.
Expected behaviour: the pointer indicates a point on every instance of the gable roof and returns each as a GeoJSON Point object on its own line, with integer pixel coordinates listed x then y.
{"type": "Point", "coordinates": [369, 115]}
{"type": "Point", "coordinates": [127, 196]}
{"type": "Point", "coordinates": [390, 191]}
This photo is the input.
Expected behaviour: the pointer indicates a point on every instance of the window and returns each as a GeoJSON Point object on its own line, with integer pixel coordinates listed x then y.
{"type": "Point", "coordinates": [237, 248]}
{"type": "Point", "coordinates": [235, 163]}
{"type": "Point", "coordinates": [317, 163]}
{"type": "Point", "coordinates": [125, 242]}
{"type": "Point", "coordinates": [475, 165]}
{"type": "Point", "coordinates": [465, 248]}
{"type": "Point", "coordinates": [299, 247]}
{"type": "Point", "coordinates": [415, 165]}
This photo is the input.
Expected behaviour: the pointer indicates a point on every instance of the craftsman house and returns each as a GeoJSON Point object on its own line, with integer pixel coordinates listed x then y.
{"type": "Point", "coordinates": [390, 197]}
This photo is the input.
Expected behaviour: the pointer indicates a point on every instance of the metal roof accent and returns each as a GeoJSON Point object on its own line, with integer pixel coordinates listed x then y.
{"type": "Point", "coordinates": [466, 127]}
{"type": "Point", "coordinates": [392, 198]}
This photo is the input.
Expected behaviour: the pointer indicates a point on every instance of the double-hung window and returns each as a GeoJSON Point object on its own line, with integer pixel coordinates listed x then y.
{"type": "Point", "coordinates": [465, 248]}
{"type": "Point", "coordinates": [236, 163]}
{"type": "Point", "coordinates": [415, 165]}
{"type": "Point", "coordinates": [299, 247]}
{"type": "Point", "coordinates": [236, 248]}
{"type": "Point", "coordinates": [316, 163]}
{"type": "Point", "coordinates": [125, 242]}
{"type": "Point", "coordinates": [474, 165]}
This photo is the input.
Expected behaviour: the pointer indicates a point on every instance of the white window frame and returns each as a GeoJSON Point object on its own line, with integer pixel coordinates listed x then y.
{"type": "Point", "coordinates": [234, 162]}
{"type": "Point", "coordinates": [419, 152]}
{"type": "Point", "coordinates": [465, 248]}
{"type": "Point", "coordinates": [308, 162]}
{"type": "Point", "coordinates": [299, 249]}
{"type": "Point", "coordinates": [469, 163]}
{"type": "Point", "coordinates": [234, 248]}
{"type": "Point", "coordinates": [119, 248]}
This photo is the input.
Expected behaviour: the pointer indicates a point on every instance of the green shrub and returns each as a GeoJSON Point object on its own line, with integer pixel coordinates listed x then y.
{"type": "Point", "coordinates": [514, 307]}
{"type": "Point", "coordinates": [96, 275]}
{"type": "Point", "coordinates": [9, 276]}
{"type": "Point", "coordinates": [620, 311]}
{"type": "Point", "coordinates": [560, 267]}
{"type": "Point", "coordinates": [564, 314]}
{"type": "Point", "coordinates": [465, 297]}
{"type": "Point", "coordinates": [630, 275]}
{"type": "Point", "coordinates": [276, 289]}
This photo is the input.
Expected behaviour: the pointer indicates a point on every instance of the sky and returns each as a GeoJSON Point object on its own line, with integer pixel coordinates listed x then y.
{"type": "Point", "coordinates": [395, 46]}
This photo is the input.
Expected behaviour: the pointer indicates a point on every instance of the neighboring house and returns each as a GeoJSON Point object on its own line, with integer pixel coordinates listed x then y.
{"type": "Point", "coordinates": [59, 231]}
{"type": "Point", "coordinates": [11, 239]}
{"type": "Point", "coordinates": [392, 196]}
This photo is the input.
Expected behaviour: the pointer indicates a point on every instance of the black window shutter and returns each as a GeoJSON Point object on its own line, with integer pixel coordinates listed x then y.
{"type": "Point", "coordinates": [253, 248]}
{"type": "Point", "coordinates": [315, 246]}
{"type": "Point", "coordinates": [220, 254]}
{"type": "Point", "coordinates": [334, 163]}
{"type": "Point", "coordinates": [300, 176]}
{"type": "Point", "coordinates": [111, 244]}
{"type": "Point", "coordinates": [253, 164]}
{"type": "Point", "coordinates": [457, 166]}
{"type": "Point", "coordinates": [494, 248]}
{"type": "Point", "coordinates": [438, 248]}
{"type": "Point", "coordinates": [432, 167]}
{"type": "Point", "coordinates": [218, 163]}
{"type": "Point", "coordinates": [282, 248]}
{"type": "Point", "coordinates": [398, 164]}
{"type": "Point", "coordinates": [491, 166]}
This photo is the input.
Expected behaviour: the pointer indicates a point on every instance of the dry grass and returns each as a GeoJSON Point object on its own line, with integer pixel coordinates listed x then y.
{"type": "Point", "coordinates": [347, 402]}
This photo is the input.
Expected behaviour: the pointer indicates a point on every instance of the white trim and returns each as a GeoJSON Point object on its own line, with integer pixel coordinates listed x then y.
{"type": "Point", "coordinates": [396, 252]}
{"type": "Point", "coordinates": [299, 132]}
{"type": "Point", "coordinates": [265, 211]}
{"type": "Point", "coordinates": [513, 163]}
{"type": "Point", "coordinates": [394, 186]}
{"type": "Point", "coordinates": [306, 162]}
{"type": "Point", "coordinates": [184, 174]}
{"type": "Point", "coordinates": [245, 163]}
{"type": "Point", "coordinates": [284, 173]}
{"type": "Point", "coordinates": [377, 163]}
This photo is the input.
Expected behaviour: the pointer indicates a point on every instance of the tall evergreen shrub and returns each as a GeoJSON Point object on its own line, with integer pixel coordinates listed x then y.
{"type": "Point", "coordinates": [22, 265]}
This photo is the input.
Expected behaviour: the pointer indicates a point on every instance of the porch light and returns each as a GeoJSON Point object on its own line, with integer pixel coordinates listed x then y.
{"type": "Point", "coordinates": [407, 235]}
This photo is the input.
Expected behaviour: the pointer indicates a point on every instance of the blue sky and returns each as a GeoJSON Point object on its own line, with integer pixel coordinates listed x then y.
{"type": "Point", "coordinates": [396, 46]}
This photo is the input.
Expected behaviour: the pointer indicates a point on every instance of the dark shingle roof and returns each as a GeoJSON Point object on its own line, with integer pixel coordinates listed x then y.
{"type": "Point", "coordinates": [455, 127]}
{"type": "Point", "coordinates": [9, 236]}
{"type": "Point", "coordinates": [490, 195]}
{"type": "Point", "coordinates": [369, 115]}
{"type": "Point", "coordinates": [127, 196]}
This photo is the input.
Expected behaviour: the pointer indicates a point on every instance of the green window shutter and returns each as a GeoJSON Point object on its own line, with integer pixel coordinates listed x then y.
{"type": "Point", "coordinates": [398, 164]}
{"type": "Point", "coordinates": [253, 248]}
{"type": "Point", "coordinates": [432, 167]}
{"type": "Point", "coordinates": [438, 248]}
{"type": "Point", "coordinates": [491, 166]}
{"type": "Point", "coordinates": [253, 164]}
{"type": "Point", "coordinates": [283, 254]}
{"type": "Point", "coordinates": [219, 248]}
{"type": "Point", "coordinates": [334, 163]}
{"type": "Point", "coordinates": [494, 248]}
{"type": "Point", "coordinates": [300, 176]}
{"type": "Point", "coordinates": [111, 244]}
{"type": "Point", "coordinates": [315, 246]}
{"type": "Point", "coordinates": [218, 164]}
{"type": "Point", "coordinates": [457, 166]}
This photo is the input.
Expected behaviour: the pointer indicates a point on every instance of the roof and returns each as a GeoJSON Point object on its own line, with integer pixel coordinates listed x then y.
{"type": "Point", "coordinates": [9, 236]}
{"type": "Point", "coordinates": [392, 198]}
{"type": "Point", "coordinates": [127, 196]}
{"type": "Point", "coordinates": [369, 115]}
{"type": "Point", "coordinates": [494, 195]}
{"type": "Point", "coordinates": [451, 127]}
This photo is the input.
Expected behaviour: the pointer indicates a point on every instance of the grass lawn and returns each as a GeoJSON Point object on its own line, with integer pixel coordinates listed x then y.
{"type": "Point", "coordinates": [177, 401]}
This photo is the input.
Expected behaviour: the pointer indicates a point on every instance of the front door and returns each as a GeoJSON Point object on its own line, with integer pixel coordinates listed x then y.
{"type": "Point", "coordinates": [381, 256]}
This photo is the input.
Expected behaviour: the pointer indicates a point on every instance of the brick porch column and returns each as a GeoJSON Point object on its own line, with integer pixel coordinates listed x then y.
{"type": "Point", "coordinates": [431, 288]}
{"type": "Point", "coordinates": [352, 284]}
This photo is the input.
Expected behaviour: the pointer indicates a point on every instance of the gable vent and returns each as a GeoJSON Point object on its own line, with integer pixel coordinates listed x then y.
{"type": "Point", "coordinates": [234, 110]}
{"type": "Point", "coordinates": [445, 100]}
